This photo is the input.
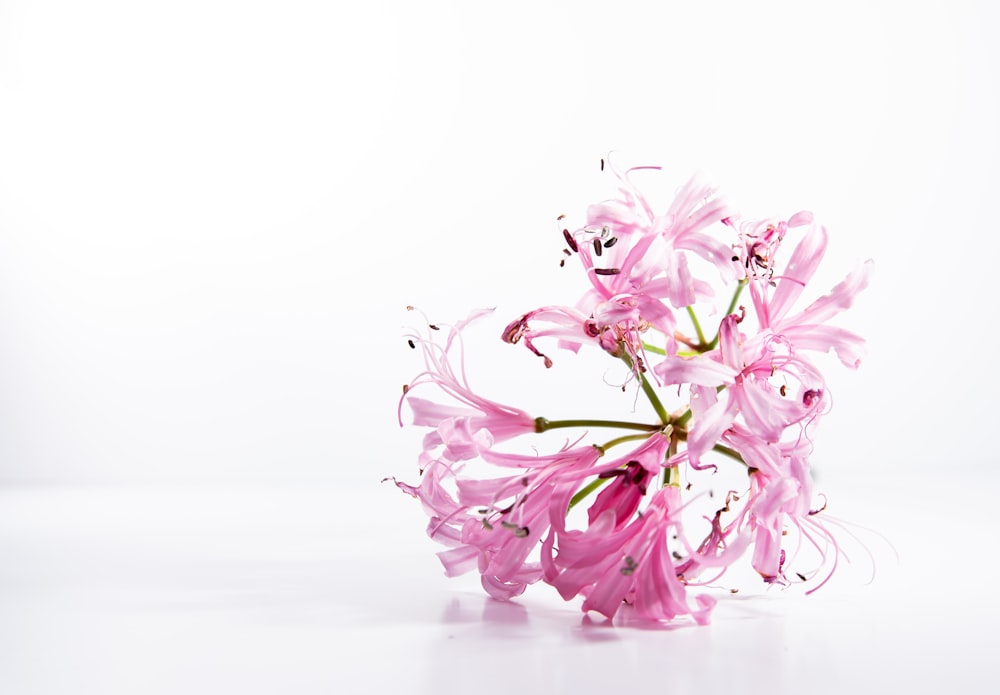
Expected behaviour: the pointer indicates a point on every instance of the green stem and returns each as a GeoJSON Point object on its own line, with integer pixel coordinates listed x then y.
{"type": "Point", "coordinates": [653, 349]}
{"type": "Point", "coordinates": [729, 452]}
{"type": "Point", "coordinates": [647, 388]}
{"type": "Point", "coordinates": [681, 421]}
{"type": "Point", "coordinates": [697, 326]}
{"type": "Point", "coordinates": [670, 474]}
{"type": "Point", "coordinates": [620, 440]}
{"type": "Point", "coordinates": [586, 490]}
{"type": "Point", "coordinates": [541, 424]}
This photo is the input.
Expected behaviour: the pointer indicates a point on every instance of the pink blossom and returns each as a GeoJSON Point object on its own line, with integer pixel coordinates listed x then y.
{"type": "Point", "coordinates": [614, 528]}
{"type": "Point", "coordinates": [637, 264]}
{"type": "Point", "coordinates": [774, 296]}
{"type": "Point", "coordinates": [765, 382]}
{"type": "Point", "coordinates": [470, 423]}
{"type": "Point", "coordinates": [612, 564]}
{"type": "Point", "coordinates": [495, 525]}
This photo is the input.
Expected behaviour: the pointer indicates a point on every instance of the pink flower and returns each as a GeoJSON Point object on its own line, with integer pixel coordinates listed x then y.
{"type": "Point", "coordinates": [774, 296]}
{"type": "Point", "coordinates": [470, 423]}
{"type": "Point", "coordinates": [612, 564]}
{"type": "Point", "coordinates": [767, 381]}
{"type": "Point", "coordinates": [610, 528]}
{"type": "Point", "coordinates": [495, 525]}
{"type": "Point", "coordinates": [637, 264]}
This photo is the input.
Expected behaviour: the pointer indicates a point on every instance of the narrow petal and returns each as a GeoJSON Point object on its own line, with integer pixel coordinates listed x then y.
{"type": "Point", "coordinates": [800, 268]}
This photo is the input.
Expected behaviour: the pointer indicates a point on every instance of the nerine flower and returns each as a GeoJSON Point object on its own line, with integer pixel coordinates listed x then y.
{"type": "Point", "coordinates": [637, 265]}
{"type": "Point", "coordinates": [766, 378]}
{"type": "Point", "coordinates": [607, 520]}
{"type": "Point", "coordinates": [469, 423]}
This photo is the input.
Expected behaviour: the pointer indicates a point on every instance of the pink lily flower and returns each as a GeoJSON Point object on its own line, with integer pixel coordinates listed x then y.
{"type": "Point", "coordinates": [637, 265]}
{"type": "Point", "coordinates": [766, 380]}
{"type": "Point", "coordinates": [773, 298]}
{"type": "Point", "coordinates": [470, 423]}
{"type": "Point", "coordinates": [611, 564]}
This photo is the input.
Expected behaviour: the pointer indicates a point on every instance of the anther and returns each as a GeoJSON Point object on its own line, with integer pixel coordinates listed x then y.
{"type": "Point", "coordinates": [561, 217]}
{"type": "Point", "coordinates": [602, 163]}
{"type": "Point", "coordinates": [433, 327]}
{"type": "Point", "coordinates": [610, 242]}
{"type": "Point", "coordinates": [607, 271]}
{"type": "Point", "coordinates": [613, 473]}
{"type": "Point", "coordinates": [562, 262]}
{"type": "Point", "coordinates": [800, 576]}
{"type": "Point", "coordinates": [406, 387]}
{"type": "Point", "coordinates": [519, 531]}
{"type": "Point", "coordinates": [597, 247]}
{"type": "Point", "coordinates": [570, 241]}
{"type": "Point", "coordinates": [811, 397]}
{"type": "Point", "coordinates": [411, 344]}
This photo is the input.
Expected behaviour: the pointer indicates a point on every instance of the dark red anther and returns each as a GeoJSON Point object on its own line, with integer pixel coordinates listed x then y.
{"type": "Point", "coordinates": [811, 397]}
{"type": "Point", "coordinates": [597, 247]}
{"type": "Point", "coordinates": [570, 241]}
{"type": "Point", "coordinates": [610, 242]}
{"type": "Point", "coordinates": [613, 473]}
{"type": "Point", "coordinates": [607, 271]}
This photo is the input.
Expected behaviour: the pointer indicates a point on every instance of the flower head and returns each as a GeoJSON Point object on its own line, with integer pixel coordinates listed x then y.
{"type": "Point", "coordinates": [605, 515]}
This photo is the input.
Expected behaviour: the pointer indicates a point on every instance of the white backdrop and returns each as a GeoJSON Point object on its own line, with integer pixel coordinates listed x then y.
{"type": "Point", "coordinates": [212, 214]}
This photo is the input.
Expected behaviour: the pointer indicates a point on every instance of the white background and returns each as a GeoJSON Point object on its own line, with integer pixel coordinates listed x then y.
{"type": "Point", "coordinates": [212, 215]}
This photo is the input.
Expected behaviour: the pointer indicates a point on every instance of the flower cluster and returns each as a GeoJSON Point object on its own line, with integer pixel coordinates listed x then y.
{"type": "Point", "coordinates": [611, 520]}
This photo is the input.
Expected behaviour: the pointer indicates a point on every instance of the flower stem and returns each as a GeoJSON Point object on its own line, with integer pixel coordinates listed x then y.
{"type": "Point", "coordinates": [620, 440]}
{"type": "Point", "coordinates": [586, 490]}
{"type": "Point", "coordinates": [697, 326]}
{"type": "Point", "coordinates": [682, 420]}
{"type": "Point", "coordinates": [647, 388]}
{"type": "Point", "coordinates": [729, 452]}
{"type": "Point", "coordinates": [542, 425]}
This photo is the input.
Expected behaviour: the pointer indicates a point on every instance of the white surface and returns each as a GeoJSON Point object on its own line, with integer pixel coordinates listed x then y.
{"type": "Point", "coordinates": [124, 590]}
{"type": "Point", "coordinates": [212, 214]}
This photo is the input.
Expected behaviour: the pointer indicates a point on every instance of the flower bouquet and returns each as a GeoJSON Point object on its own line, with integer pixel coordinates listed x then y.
{"type": "Point", "coordinates": [616, 512]}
